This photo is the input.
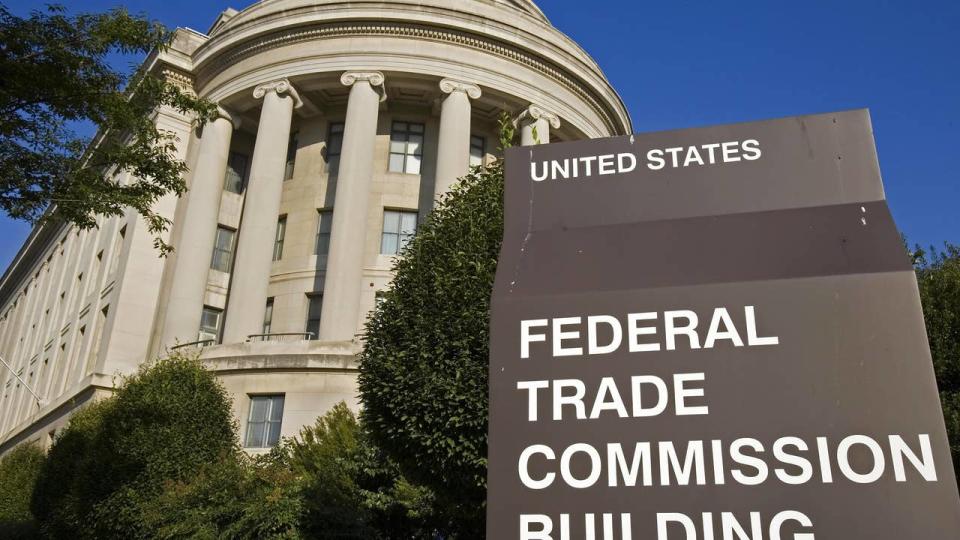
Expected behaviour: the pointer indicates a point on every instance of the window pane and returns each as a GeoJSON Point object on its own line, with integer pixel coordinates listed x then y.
{"type": "Point", "coordinates": [274, 434]}
{"type": "Point", "coordinates": [413, 165]}
{"type": "Point", "coordinates": [276, 409]}
{"type": "Point", "coordinates": [415, 146]}
{"type": "Point", "coordinates": [281, 233]}
{"type": "Point", "coordinates": [396, 162]}
{"type": "Point", "coordinates": [236, 173]}
{"type": "Point", "coordinates": [398, 147]}
{"type": "Point", "coordinates": [254, 438]}
{"type": "Point", "coordinates": [391, 221]}
{"type": "Point", "coordinates": [388, 245]}
{"type": "Point", "coordinates": [408, 222]}
{"type": "Point", "coordinates": [268, 316]}
{"type": "Point", "coordinates": [258, 408]}
{"type": "Point", "coordinates": [417, 128]}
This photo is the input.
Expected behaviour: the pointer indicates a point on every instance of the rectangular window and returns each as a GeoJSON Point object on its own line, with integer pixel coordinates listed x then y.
{"type": "Point", "coordinates": [291, 155]}
{"type": "Point", "coordinates": [324, 221]}
{"type": "Point", "coordinates": [263, 423]}
{"type": "Point", "coordinates": [398, 228]}
{"type": "Point", "coordinates": [406, 147]}
{"type": "Point", "coordinates": [281, 234]}
{"type": "Point", "coordinates": [236, 176]}
{"type": "Point", "coordinates": [223, 249]}
{"type": "Point", "coordinates": [334, 147]}
{"type": "Point", "coordinates": [314, 308]}
{"type": "Point", "coordinates": [210, 320]}
{"type": "Point", "coordinates": [478, 149]}
{"type": "Point", "coordinates": [268, 316]}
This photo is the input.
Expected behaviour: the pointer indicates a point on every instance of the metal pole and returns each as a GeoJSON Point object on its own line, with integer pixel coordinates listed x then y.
{"type": "Point", "coordinates": [25, 385]}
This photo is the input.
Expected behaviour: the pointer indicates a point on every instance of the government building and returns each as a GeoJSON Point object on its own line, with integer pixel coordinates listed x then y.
{"type": "Point", "coordinates": [340, 123]}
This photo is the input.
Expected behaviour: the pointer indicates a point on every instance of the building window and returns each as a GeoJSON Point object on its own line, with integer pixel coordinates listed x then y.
{"type": "Point", "coordinates": [406, 147]}
{"type": "Point", "coordinates": [291, 155]}
{"type": "Point", "coordinates": [334, 147]}
{"type": "Point", "coordinates": [236, 176]}
{"type": "Point", "coordinates": [268, 316]}
{"type": "Point", "coordinates": [324, 221]}
{"type": "Point", "coordinates": [281, 234]}
{"type": "Point", "coordinates": [478, 149]}
{"type": "Point", "coordinates": [263, 424]}
{"type": "Point", "coordinates": [223, 249]}
{"type": "Point", "coordinates": [210, 320]}
{"type": "Point", "coordinates": [314, 308]}
{"type": "Point", "coordinates": [398, 228]}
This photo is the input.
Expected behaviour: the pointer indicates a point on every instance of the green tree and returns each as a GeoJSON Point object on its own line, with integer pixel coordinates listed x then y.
{"type": "Point", "coordinates": [423, 370]}
{"type": "Point", "coordinates": [236, 497]}
{"type": "Point", "coordinates": [350, 489]}
{"type": "Point", "coordinates": [54, 74]}
{"type": "Point", "coordinates": [18, 474]}
{"type": "Point", "coordinates": [165, 424]}
{"type": "Point", "coordinates": [938, 275]}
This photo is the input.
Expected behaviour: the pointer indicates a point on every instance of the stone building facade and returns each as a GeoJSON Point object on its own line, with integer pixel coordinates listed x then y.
{"type": "Point", "coordinates": [340, 124]}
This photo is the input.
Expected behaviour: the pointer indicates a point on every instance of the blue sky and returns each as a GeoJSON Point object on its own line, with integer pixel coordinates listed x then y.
{"type": "Point", "coordinates": [682, 64]}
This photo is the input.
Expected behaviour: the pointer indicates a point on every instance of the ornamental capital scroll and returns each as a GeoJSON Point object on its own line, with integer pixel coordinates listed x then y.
{"type": "Point", "coordinates": [449, 86]}
{"type": "Point", "coordinates": [374, 78]}
{"type": "Point", "coordinates": [535, 112]}
{"type": "Point", "coordinates": [281, 86]}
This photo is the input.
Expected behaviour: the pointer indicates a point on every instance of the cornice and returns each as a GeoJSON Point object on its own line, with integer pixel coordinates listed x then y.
{"type": "Point", "coordinates": [289, 36]}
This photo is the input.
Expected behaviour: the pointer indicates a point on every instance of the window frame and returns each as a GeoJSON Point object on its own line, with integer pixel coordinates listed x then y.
{"type": "Point", "coordinates": [321, 212]}
{"type": "Point", "coordinates": [293, 145]}
{"type": "Point", "coordinates": [201, 333]}
{"type": "Point", "coordinates": [264, 425]}
{"type": "Point", "coordinates": [400, 133]}
{"type": "Point", "coordinates": [334, 151]}
{"type": "Point", "coordinates": [279, 237]}
{"type": "Point", "coordinates": [268, 316]}
{"type": "Point", "coordinates": [482, 147]}
{"type": "Point", "coordinates": [313, 324]}
{"type": "Point", "coordinates": [401, 238]}
{"type": "Point", "coordinates": [217, 250]}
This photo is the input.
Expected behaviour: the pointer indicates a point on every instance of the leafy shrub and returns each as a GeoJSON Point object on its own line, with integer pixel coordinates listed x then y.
{"type": "Point", "coordinates": [165, 424]}
{"type": "Point", "coordinates": [18, 474]}
{"type": "Point", "coordinates": [938, 275]}
{"type": "Point", "coordinates": [350, 489]}
{"type": "Point", "coordinates": [236, 497]}
{"type": "Point", "coordinates": [423, 371]}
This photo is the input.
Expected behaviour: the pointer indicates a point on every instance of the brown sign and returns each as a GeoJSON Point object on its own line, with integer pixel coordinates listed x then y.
{"type": "Point", "coordinates": [711, 334]}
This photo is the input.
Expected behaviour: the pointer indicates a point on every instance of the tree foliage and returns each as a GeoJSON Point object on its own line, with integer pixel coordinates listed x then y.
{"type": "Point", "coordinates": [165, 424]}
{"type": "Point", "coordinates": [938, 275]}
{"type": "Point", "coordinates": [423, 370]}
{"type": "Point", "coordinates": [54, 74]}
{"type": "Point", "coordinates": [18, 473]}
{"type": "Point", "coordinates": [350, 489]}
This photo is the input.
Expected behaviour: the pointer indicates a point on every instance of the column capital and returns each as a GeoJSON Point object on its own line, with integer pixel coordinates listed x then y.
{"type": "Point", "coordinates": [535, 112]}
{"type": "Point", "coordinates": [449, 86]}
{"type": "Point", "coordinates": [375, 78]}
{"type": "Point", "coordinates": [280, 86]}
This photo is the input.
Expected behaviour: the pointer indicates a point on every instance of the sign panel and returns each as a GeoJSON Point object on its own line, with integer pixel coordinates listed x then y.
{"type": "Point", "coordinates": [711, 334]}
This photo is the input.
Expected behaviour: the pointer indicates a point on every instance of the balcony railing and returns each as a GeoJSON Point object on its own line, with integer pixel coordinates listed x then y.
{"type": "Point", "coordinates": [199, 344]}
{"type": "Point", "coordinates": [282, 336]}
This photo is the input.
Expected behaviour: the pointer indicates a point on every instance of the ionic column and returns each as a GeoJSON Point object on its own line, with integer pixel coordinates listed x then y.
{"type": "Point", "coordinates": [261, 207]}
{"type": "Point", "coordinates": [453, 148]}
{"type": "Point", "coordinates": [535, 124]}
{"type": "Point", "coordinates": [192, 253]}
{"type": "Point", "coordinates": [348, 233]}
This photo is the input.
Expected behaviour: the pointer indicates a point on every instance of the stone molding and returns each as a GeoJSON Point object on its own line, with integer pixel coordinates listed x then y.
{"type": "Point", "coordinates": [291, 36]}
{"type": "Point", "coordinates": [375, 78]}
{"type": "Point", "coordinates": [534, 113]}
{"type": "Point", "coordinates": [449, 86]}
{"type": "Point", "coordinates": [281, 86]}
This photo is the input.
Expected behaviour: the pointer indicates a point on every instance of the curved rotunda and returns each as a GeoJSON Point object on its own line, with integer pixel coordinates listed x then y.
{"type": "Point", "coordinates": [340, 124]}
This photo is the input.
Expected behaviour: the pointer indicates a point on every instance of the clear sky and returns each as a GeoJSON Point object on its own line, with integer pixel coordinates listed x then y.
{"type": "Point", "coordinates": [683, 64]}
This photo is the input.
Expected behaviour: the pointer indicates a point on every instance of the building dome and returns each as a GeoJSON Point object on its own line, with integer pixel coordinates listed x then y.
{"type": "Point", "coordinates": [341, 122]}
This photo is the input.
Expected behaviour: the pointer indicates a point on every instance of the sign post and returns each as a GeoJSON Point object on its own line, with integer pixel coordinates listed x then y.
{"type": "Point", "coordinates": [711, 334]}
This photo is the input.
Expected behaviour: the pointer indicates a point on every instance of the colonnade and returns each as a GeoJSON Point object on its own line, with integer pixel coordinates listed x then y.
{"type": "Point", "coordinates": [344, 270]}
